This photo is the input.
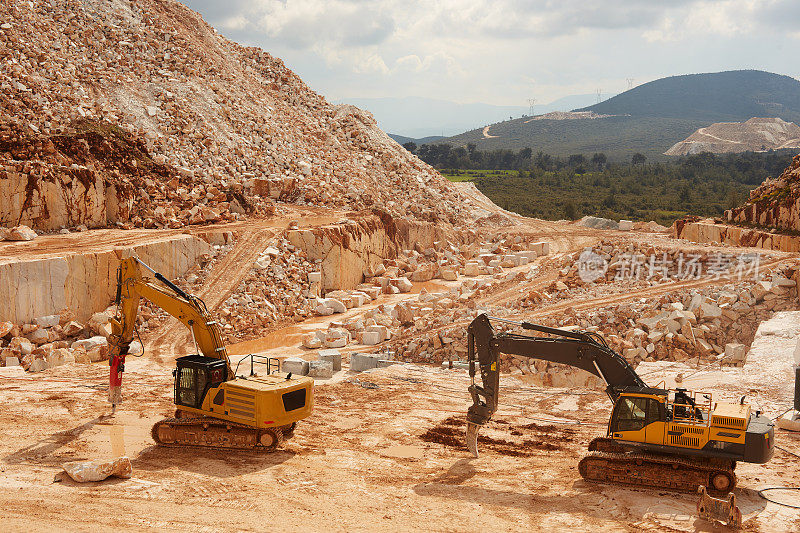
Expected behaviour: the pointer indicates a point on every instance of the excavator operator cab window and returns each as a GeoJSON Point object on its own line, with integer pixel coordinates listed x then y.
{"type": "Point", "coordinates": [634, 413]}
{"type": "Point", "coordinates": [195, 375]}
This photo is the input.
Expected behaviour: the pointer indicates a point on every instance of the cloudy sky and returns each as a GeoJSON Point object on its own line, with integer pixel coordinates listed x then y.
{"type": "Point", "coordinates": [506, 51]}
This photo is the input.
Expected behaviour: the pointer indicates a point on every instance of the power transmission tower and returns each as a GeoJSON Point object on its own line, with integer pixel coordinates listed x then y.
{"type": "Point", "coordinates": [599, 93]}
{"type": "Point", "coordinates": [531, 103]}
{"type": "Point", "coordinates": [630, 83]}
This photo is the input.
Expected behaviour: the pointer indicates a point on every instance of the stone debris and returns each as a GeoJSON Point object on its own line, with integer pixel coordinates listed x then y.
{"type": "Point", "coordinates": [598, 223]}
{"type": "Point", "coordinates": [86, 471]}
{"type": "Point", "coordinates": [20, 233]}
{"type": "Point", "coordinates": [177, 125]}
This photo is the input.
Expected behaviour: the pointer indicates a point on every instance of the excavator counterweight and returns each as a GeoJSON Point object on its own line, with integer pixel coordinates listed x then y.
{"type": "Point", "coordinates": [659, 438]}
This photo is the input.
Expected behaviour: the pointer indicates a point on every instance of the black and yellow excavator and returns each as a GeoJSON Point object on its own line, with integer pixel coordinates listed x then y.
{"type": "Point", "coordinates": [657, 438]}
{"type": "Point", "coordinates": [215, 407]}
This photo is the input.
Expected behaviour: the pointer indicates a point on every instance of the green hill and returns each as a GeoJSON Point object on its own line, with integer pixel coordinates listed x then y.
{"type": "Point", "coordinates": [651, 117]}
{"type": "Point", "coordinates": [718, 97]}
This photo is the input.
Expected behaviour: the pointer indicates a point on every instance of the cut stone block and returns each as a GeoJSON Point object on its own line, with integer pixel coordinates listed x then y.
{"type": "Point", "coordinates": [370, 338]}
{"type": "Point", "coordinates": [472, 269]}
{"type": "Point", "coordinates": [736, 353]}
{"type": "Point", "coordinates": [320, 369]}
{"type": "Point", "coordinates": [295, 365]}
{"type": "Point", "coordinates": [383, 363]}
{"type": "Point", "coordinates": [625, 225]}
{"type": "Point", "coordinates": [383, 332]}
{"type": "Point", "coordinates": [334, 357]}
{"type": "Point", "coordinates": [12, 361]}
{"type": "Point", "coordinates": [360, 362]}
{"type": "Point", "coordinates": [541, 248]}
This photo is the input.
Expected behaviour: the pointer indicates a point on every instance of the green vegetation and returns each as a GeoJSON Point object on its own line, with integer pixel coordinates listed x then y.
{"type": "Point", "coordinates": [703, 184]}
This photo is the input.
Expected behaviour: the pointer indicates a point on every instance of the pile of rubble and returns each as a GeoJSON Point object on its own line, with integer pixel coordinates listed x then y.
{"type": "Point", "coordinates": [217, 126]}
{"type": "Point", "coordinates": [279, 288]}
{"type": "Point", "coordinates": [774, 204]}
{"type": "Point", "coordinates": [96, 175]}
{"type": "Point", "coordinates": [56, 340]}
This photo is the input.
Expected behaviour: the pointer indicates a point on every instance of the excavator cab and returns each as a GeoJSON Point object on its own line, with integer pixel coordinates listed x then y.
{"type": "Point", "coordinates": [638, 418]}
{"type": "Point", "coordinates": [195, 375]}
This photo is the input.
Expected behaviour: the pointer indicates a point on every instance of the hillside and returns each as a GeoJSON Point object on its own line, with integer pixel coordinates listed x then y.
{"type": "Point", "coordinates": [712, 97]}
{"type": "Point", "coordinates": [211, 121]}
{"type": "Point", "coordinates": [754, 135]}
{"type": "Point", "coordinates": [649, 118]}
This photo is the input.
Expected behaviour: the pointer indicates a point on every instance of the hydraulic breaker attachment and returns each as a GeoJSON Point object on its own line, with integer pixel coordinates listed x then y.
{"type": "Point", "coordinates": [472, 438]}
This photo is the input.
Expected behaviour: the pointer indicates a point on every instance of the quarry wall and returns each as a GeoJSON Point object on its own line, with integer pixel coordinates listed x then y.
{"type": "Point", "coordinates": [737, 236]}
{"type": "Point", "coordinates": [350, 250]}
{"type": "Point", "coordinates": [84, 283]}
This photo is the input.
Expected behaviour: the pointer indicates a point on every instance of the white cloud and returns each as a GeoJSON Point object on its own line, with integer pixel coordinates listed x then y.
{"type": "Point", "coordinates": [505, 51]}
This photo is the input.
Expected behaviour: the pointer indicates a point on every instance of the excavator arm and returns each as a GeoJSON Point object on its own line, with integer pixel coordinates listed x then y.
{"type": "Point", "coordinates": [188, 309]}
{"type": "Point", "coordinates": [584, 350]}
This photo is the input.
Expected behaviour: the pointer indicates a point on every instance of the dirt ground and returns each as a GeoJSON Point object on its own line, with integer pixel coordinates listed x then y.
{"type": "Point", "coordinates": [382, 451]}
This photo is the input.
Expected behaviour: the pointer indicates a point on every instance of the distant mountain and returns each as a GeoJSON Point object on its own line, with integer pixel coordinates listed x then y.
{"type": "Point", "coordinates": [651, 117]}
{"type": "Point", "coordinates": [422, 140]}
{"type": "Point", "coordinates": [417, 118]}
{"type": "Point", "coordinates": [734, 95]}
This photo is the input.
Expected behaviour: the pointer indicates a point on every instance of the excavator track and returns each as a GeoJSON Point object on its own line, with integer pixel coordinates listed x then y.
{"type": "Point", "coordinates": [607, 462]}
{"type": "Point", "coordinates": [207, 432]}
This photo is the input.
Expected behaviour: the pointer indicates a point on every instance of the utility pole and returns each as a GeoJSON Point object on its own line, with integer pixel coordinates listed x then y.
{"type": "Point", "coordinates": [599, 93]}
{"type": "Point", "coordinates": [531, 103]}
{"type": "Point", "coordinates": [630, 83]}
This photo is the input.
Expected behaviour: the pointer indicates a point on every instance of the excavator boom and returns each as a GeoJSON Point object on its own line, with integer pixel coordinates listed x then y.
{"type": "Point", "coordinates": [578, 349]}
{"type": "Point", "coordinates": [188, 309]}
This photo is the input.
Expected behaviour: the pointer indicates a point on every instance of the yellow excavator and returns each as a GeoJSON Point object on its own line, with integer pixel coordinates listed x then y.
{"type": "Point", "coordinates": [658, 438]}
{"type": "Point", "coordinates": [215, 406]}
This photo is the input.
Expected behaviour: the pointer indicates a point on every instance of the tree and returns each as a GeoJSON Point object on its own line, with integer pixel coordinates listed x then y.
{"type": "Point", "coordinates": [410, 146]}
{"type": "Point", "coordinates": [638, 159]}
{"type": "Point", "coordinates": [570, 212]}
{"type": "Point", "coordinates": [525, 153]}
{"type": "Point", "coordinates": [599, 160]}
{"type": "Point", "coordinates": [576, 160]}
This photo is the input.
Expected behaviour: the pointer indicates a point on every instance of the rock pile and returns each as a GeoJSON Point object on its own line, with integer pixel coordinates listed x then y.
{"type": "Point", "coordinates": [231, 124]}
{"type": "Point", "coordinates": [55, 340]}
{"type": "Point", "coordinates": [277, 289]}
